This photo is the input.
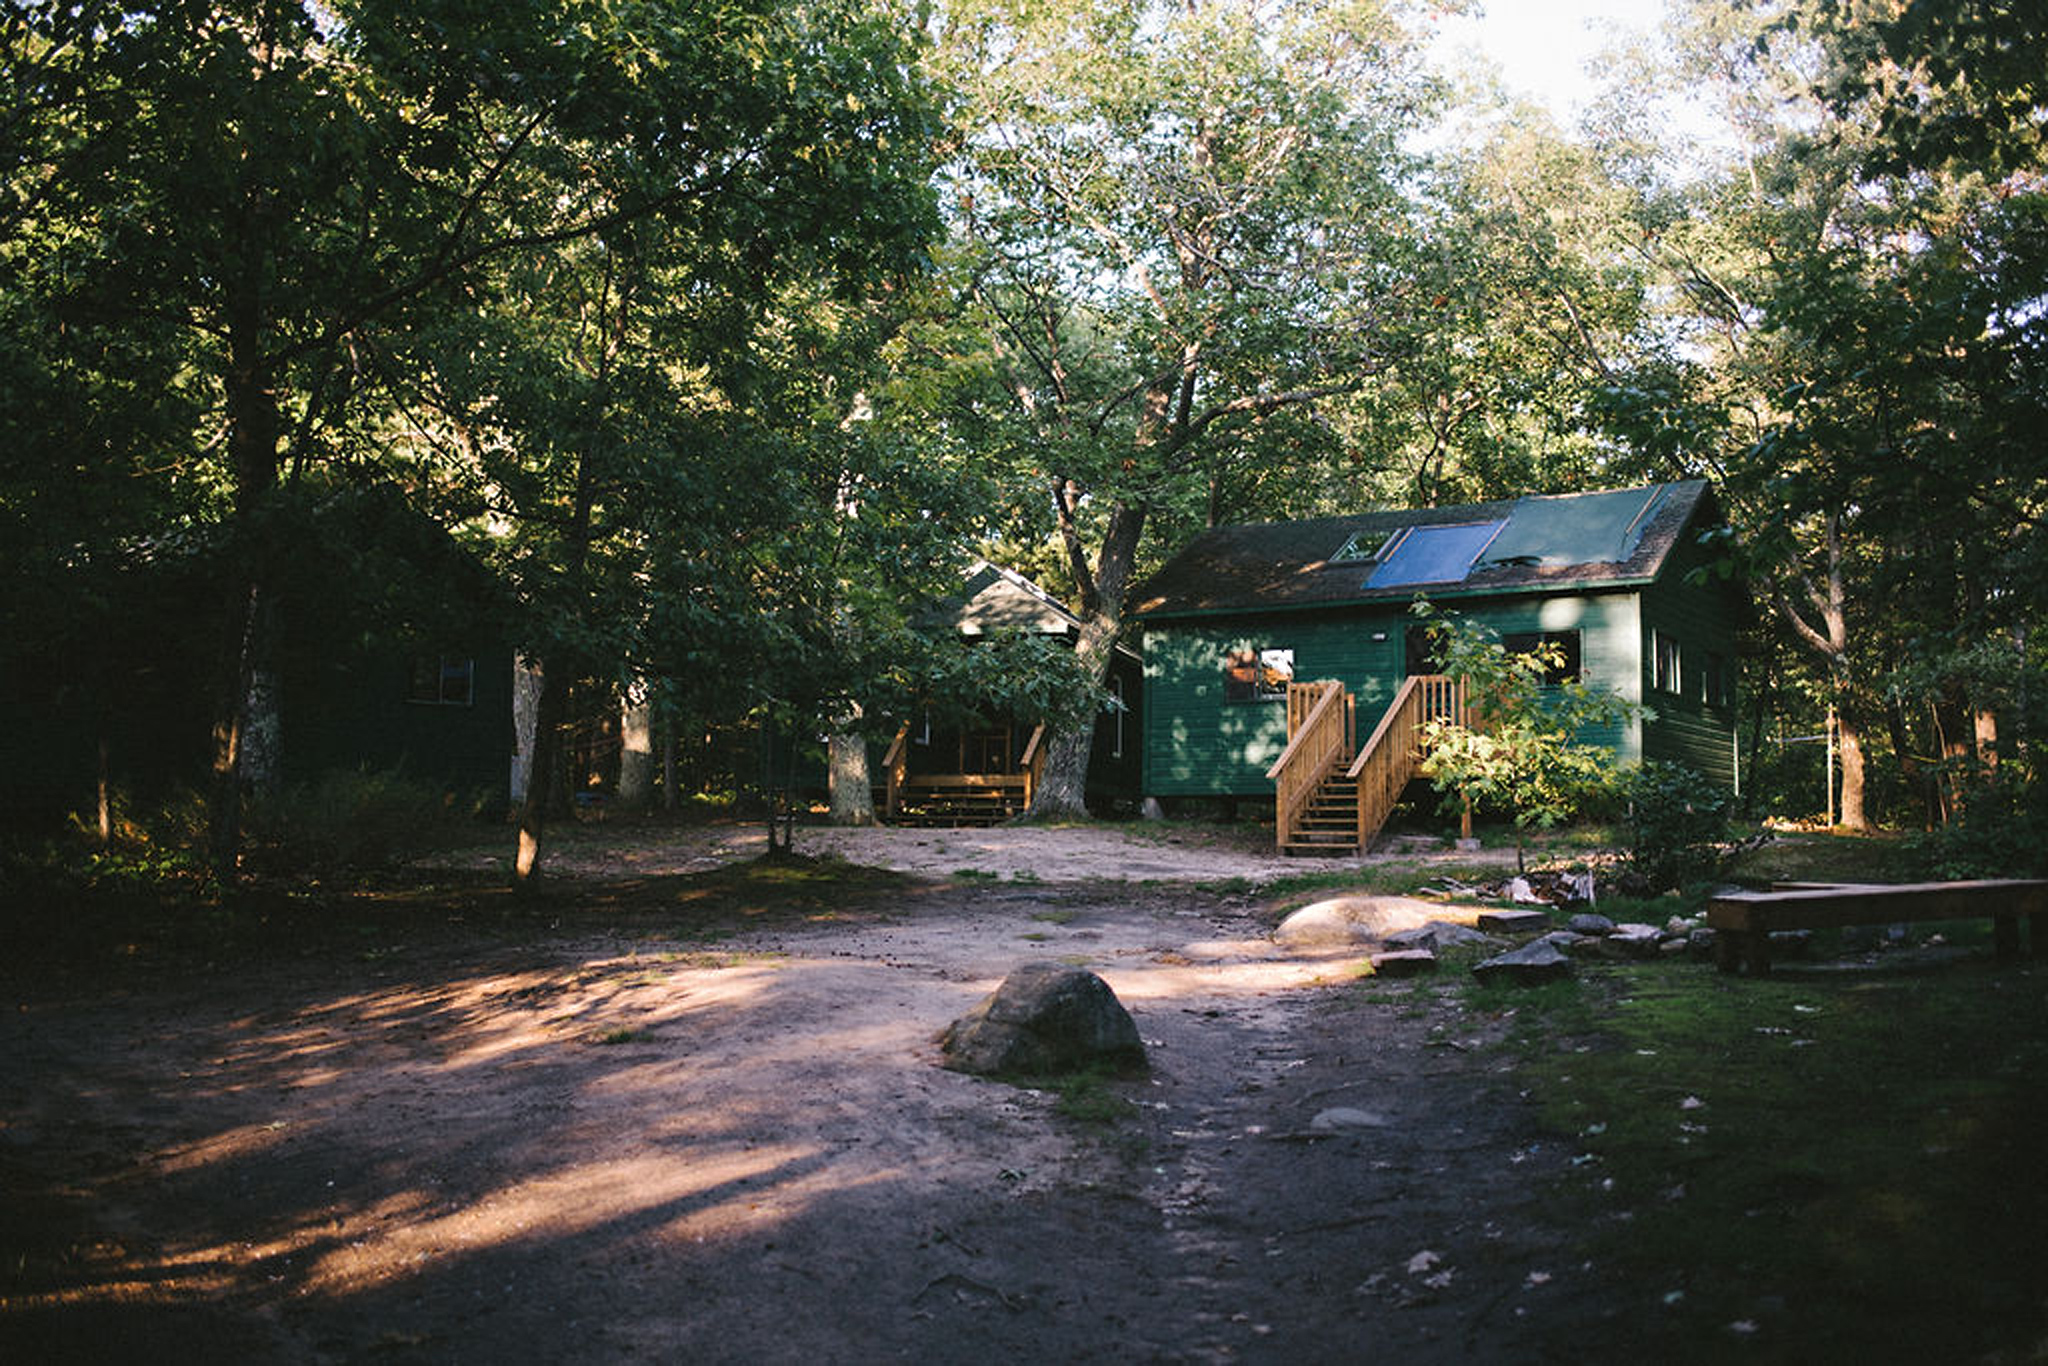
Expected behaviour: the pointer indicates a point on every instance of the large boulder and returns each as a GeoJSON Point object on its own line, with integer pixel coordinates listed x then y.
{"type": "Point", "coordinates": [1343, 921]}
{"type": "Point", "coordinates": [1045, 1019]}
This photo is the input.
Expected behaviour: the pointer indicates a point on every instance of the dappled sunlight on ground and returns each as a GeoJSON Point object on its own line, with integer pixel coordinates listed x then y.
{"type": "Point", "coordinates": [634, 1132]}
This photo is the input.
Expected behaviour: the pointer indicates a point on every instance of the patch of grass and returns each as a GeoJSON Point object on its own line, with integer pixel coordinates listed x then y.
{"type": "Point", "coordinates": [1841, 1162]}
{"type": "Point", "coordinates": [624, 1035]}
{"type": "Point", "coordinates": [1818, 858]}
{"type": "Point", "coordinates": [1036, 936]}
{"type": "Point", "coordinates": [1087, 1098]}
{"type": "Point", "coordinates": [1059, 917]}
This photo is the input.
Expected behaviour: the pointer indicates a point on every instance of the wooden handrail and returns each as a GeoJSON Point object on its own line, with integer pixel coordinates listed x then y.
{"type": "Point", "coordinates": [1301, 736]}
{"type": "Point", "coordinates": [1379, 732]}
{"type": "Point", "coordinates": [1033, 763]}
{"type": "Point", "coordinates": [1318, 743]}
{"type": "Point", "coordinates": [1392, 756]}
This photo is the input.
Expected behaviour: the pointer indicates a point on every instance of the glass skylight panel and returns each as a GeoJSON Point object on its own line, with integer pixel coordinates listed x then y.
{"type": "Point", "coordinates": [1434, 554]}
{"type": "Point", "coordinates": [1363, 547]}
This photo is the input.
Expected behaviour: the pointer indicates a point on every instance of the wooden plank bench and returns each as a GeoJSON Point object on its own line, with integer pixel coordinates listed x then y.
{"type": "Point", "coordinates": [1743, 921]}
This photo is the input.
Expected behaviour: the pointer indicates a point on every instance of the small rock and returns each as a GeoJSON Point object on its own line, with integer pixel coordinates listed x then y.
{"type": "Point", "coordinates": [1588, 923]}
{"type": "Point", "coordinates": [1674, 948]}
{"type": "Point", "coordinates": [1437, 934]}
{"type": "Point", "coordinates": [1342, 1119]}
{"type": "Point", "coordinates": [1403, 963]}
{"type": "Point", "coordinates": [1513, 922]}
{"type": "Point", "coordinates": [1680, 925]}
{"type": "Point", "coordinates": [1530, 965]}
{"type": "Point", "coordinates": [1578, 945]}
{"type": "Point", "coordinates": [1700, 943]}
{"type": "Point", "coordinates": [1632, 941]}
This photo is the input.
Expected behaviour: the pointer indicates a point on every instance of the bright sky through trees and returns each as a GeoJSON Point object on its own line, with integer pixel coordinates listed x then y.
{"type": "Point", "coordinates": [1542, 46]}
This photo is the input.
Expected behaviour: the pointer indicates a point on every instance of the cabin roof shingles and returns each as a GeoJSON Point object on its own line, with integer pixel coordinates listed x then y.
{"type": "Point", "coordinates": [1563, 542]}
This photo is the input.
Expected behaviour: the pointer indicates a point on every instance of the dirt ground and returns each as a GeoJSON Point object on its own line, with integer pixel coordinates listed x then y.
{"type": "Point", "coordinates": [651, 1122]}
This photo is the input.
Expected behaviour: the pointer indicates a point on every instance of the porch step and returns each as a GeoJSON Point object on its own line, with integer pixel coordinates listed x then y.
{"type": "Point", "coordinates": [967, 804]}
{"type": "Point", "coordinates": [1328, 826]}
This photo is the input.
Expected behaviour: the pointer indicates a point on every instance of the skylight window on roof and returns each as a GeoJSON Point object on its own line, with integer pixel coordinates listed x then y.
{"type": "Point", "coordinates": [1364, 547]}
{"type": "Point", "coordinates": [1434, 554]}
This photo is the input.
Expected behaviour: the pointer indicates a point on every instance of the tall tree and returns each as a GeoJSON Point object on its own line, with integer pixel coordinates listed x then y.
{"type": "Point", "coordinates": [1181, 227]}
{"type": "Point", "coordinates": [1855, 356]}
{"type": "Point", "coordinates": [297, 186]}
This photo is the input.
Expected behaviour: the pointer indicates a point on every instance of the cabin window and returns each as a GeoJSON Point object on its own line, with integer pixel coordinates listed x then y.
{"type": "Point", "coordinates": [1719, 679]}
{"type": "Point", "coordinates": [1562, 664]}
{"type": "Point", "coordinates": [443, 681]}
{"type": "Point", "coordinates": [1257, 675]}
{"type": "Point", "coordinates": [1421, 646]}
{"type": "Point", "coordinates": [1117, 706]}
{"type": "Point", "coordinates": [1665, 675]}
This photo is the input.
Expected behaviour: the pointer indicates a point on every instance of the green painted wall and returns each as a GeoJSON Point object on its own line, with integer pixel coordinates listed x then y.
{"type": "Point", "coordinates": [1702, 615]}
{"type": "Point", "coordinates": [1198, 744]}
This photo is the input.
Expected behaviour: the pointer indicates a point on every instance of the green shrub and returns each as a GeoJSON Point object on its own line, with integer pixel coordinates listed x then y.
{"type": "Point", "coordinates": [349, 818]}
{"type": "Point", "coordinates": [1675, 824]}
{"type": "Point", "coordinates": [2001, 831]}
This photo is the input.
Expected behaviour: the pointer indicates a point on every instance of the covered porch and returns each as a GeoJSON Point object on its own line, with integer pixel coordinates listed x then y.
{"type": "Point", "coordinates": [982, 773]}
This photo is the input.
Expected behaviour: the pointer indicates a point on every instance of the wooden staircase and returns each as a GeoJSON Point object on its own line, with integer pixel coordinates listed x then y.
{"type": "Point", "coordinates": [1331, 796]}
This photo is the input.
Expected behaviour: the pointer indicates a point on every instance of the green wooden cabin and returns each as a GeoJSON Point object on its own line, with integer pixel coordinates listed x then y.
{"type": "Point", "coordinates": [1245, 611]}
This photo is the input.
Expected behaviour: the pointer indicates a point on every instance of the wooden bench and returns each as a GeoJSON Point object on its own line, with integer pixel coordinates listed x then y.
{"type": "Point", "coordinates": [1743, 921]}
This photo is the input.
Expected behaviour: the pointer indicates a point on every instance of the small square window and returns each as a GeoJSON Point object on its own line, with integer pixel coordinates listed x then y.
{"type": "Point", "coordinates": [1719, 679]}
{"type": "Point", "coordinates": [443, 680]}
{"type": "Point", "coordinates": [1257, 675]}
{"type": "Point", "coordinates": [1665, 673]}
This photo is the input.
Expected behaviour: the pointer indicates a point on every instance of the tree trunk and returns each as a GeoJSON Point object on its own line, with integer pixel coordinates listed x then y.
{"type": "Point", "coordinates": [636, 753]}
{"type": "Point", "coordinates": [526, 683]}
{"type": "Point", "coordinates": [853, 790]}
{"type": "Point", "coordinates": [558, 673]}
{"type": "Point", "coordinates": [1063, 783]}
{"type": "Point", "coordinates": [550, 711]}
{"type": "Point", "coordinates": [1851, 732]}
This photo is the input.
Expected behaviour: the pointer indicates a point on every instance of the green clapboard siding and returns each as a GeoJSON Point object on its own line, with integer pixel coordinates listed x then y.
{"type": "Point", "coordinates": [1197, 744]}
{"type": "Point", "coordinates": [1702, 613]}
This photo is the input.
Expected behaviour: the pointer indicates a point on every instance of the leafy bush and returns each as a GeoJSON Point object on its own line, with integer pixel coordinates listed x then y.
{"type": "Point", "coordinates": [350, 818]}
{"type": "Point", "coordinates": [2001, 831]}
{"type": "Point", "coordinates": [1675, 821]}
